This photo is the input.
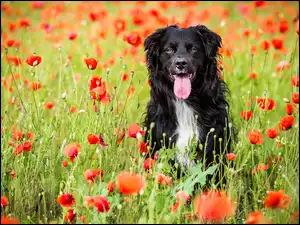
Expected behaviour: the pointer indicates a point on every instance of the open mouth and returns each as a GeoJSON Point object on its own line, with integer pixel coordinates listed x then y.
{"type": "Point", "coordinates": [183, 85]}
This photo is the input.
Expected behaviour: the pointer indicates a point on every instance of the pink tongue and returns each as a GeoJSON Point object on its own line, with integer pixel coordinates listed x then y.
{"type": "Point", "coordinates": [182, 87]}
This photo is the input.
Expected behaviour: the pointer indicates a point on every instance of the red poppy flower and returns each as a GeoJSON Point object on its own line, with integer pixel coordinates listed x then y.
{"type": "Point", "coordinates": [256, 218]}
{"type": "Point", "coordinates": [35, 85]}
{"type": "Point", "coordinates": [231, 156]}
{"type": "Point", "coordinates": [252, 76]}
{"type": "Point", "coordinates": [174, 207]}
{"type": "Point", "coordinates": [101, 203]}
{"type": "Point", "coordinates": [72, 36]}
{"type": "Point", "coordinates": [154, 12]}
{"type": "Point", "coordinates": [12, 27]}
{"type": "Point", "coordinates": [255, 137]}
{"type": "Point", "coordinates": [4, 201]}
{"type": "Point", "coordinates": [246, 33]}
{"type": "Point", "coordinates": [143, 147]}
{"type": "Point", "coordinates": [277, 199]}
{"type": "Point", "coordinates": [93, 139]}
{"type": "Point", "coordinates": [24, 22]}
{"type": "Point", "coordinates": [214, 206]}
{"type": "Point", "coordinates": [246, 115]}
{"type": "Point", "coordinates": [266, 104]}
{"type": "Point", "coordinates": [163, 179]}
{"type": "Point", "coordinates": [289, 108]}
{"type": "Point", "coordinates": [265, 45]}
{"type": "Point", "coordinates": [17, 135]}
{"type": "Point", "coordinates": [138, 19]}
{"type": "Point", "coordinates": [49, 105]}
{"type": "Point", "coordinates": [149, 163]}
{"type": "Point", "coordinates": [130, 183]}
{"type": "Point", "coordinates": [164, 5]}
{"type": "Point", "coordinates": [295, 80]}
{"type": "Point", "coordinates": [37, 4]}
{"type": "Point", "coordinates": [98, 93]}
{"type": "Point", "coordinates": [295, 97]}
{"type": "Point", "coordinates": [10, 43]}
{"type": "Point", "coordinates": [135, 131]}
{"type": "Point", "coordinates": [93, 16]}
{"type": "Point", "coordinates": [297, 27]}
{"type": "Point", "coordinates": [33, 60]}
{"type": "Point", "coordinates": [66, 200]}
{"type": "Point", "coordinates": [26, 82]}
{"type": "Point", "coordinates": [29, 135]}
{"type": "Point", "coordinates": [262, 167]}
{"type": "Point", "coordinates": [259, 3]}
{"type": "Point", "coordinates": [286, 122]}
{"type": "Point", "coordinates": [283, 25]}
{"type": "Point", "coordinates": [124, 77]}
{"type": "Point", "coordinates": [102, 34]}
{"type": "Point", "coordinates": [15, 60]}
{"type": "Point", "coordinates": [272, 133]}
{"type": "Point", "coordinates": [90, 175]}
{"type": "Point", "coordinates": [19, 149]}
{"type": "Point", "coordinates": [27, 146]}
{"type": "Point", "coordinates": [72, 150]}
{"type": "Point", "coordinates": [277, 44]}
{"type": "Point", "coordinates": [134, 39]}
{"type": "Point", "coordinates": [65, 163]}
{"type": "Point", "coordinates": [46, 27]}
{"type": "Point", "coordinates": [70, 216]}
{"type": "Point", "coordinates": [120, 25]}
{"type": "Point", "coordinates": [97, 88]}
{"type": "Point", "coordinates": [91, 63]}
{"type": "Point", "coordinates": [9, 220]}
{"type": "Point", "coordinates": [243, 9]}
{"type": "Point", "coordinates": [73, 109]}
{"type": "Point", "coordinates": [110, 186]}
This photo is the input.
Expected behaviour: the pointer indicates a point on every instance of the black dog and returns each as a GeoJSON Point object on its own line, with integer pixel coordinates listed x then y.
{"type": "Point", "coordinates": [187, 96]}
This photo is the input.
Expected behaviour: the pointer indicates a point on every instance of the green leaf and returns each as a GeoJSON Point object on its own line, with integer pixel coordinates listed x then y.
{"type": "Point", "coordinates": [197, 176]}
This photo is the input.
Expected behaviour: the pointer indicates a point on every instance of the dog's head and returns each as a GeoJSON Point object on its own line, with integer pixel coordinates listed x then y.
{"type": "Point", "coordinates": [181, 57]}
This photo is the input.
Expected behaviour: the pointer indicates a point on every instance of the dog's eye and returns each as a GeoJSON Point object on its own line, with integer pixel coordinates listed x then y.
{"type": "Point", "coordinates": [193, 50]}
{"type": "Point", "coordinates": [169, 50]}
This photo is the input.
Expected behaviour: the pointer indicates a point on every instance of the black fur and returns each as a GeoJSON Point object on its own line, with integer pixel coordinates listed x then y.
{"type": "Point", "coordinates": [208, 95]}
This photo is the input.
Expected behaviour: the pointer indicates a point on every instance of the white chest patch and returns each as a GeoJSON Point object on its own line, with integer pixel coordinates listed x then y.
{"type": "Point", "coordinates": [186, 130]}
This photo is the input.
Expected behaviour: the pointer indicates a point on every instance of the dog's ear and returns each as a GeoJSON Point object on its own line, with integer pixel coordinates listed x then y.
{"type": "Point", "coordinates": [210, 40]}
{"type": "Point", "coordinates": [151, 45]}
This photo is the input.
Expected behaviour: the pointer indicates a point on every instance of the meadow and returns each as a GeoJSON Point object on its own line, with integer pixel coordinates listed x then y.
{"type": "Point", "coordinates": [74, 90]}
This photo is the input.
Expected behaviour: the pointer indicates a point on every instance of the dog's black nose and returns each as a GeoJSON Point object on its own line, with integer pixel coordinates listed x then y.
{"type": "Point", "coordinates": [181, 63]}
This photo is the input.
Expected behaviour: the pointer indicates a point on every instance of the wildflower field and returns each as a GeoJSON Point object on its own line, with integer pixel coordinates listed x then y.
{"type": "Point", "coordinates": [74, 90]}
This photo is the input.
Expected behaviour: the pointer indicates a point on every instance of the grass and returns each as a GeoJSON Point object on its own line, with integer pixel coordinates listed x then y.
{"type": "Point", "coordinates": [39, 175]}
